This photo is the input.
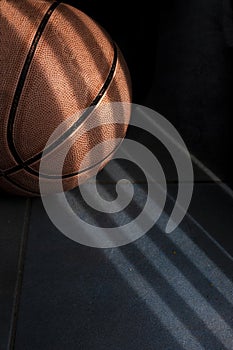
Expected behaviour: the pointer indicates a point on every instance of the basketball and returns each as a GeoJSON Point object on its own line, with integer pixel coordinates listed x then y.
{"type": "Point", "coordinates": [58, 67]}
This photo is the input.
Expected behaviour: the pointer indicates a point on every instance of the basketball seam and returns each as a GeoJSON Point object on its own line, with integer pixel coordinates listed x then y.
{"type": "Point", "coordinates": [72, 129]}
{"type": "Point", "coordinates": [17, 185]}
{"type": "Point", "coordinates": [22, 79]}
{"type": "Point", "coordinates": [18, 92]}
{"type": "Point", "coordinates": [24, 164]}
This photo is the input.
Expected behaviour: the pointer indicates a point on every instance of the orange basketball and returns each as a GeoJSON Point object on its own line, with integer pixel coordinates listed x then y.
{"type": "Point", "coordinates": [57, 65]}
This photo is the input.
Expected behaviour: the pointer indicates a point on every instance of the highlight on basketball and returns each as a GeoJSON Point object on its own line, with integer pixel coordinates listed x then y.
{"type": "Point", "coordinates": [56, 61]}
{"type": "Point", "coordinates": [66, 107]}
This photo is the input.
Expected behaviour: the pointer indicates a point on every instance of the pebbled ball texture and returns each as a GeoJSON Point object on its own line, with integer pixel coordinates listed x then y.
{"type": "Point", "coordinates": [56, 62]}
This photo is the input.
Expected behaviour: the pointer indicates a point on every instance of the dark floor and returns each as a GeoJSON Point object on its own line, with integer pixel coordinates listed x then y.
{"type": "Point", "coordinates": [164, 291]}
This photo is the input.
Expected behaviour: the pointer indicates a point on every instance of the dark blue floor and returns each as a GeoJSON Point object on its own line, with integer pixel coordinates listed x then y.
{"type": "Point", "coordinates": [13, 223]}
{"type": "Point", "coordinates": [164, 291]}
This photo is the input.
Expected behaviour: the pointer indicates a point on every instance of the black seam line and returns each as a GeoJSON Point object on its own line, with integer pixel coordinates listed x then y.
{"type": "Point", "coordinates": [22, 78]}
{"type": "Point", "coordinates": [68, 133]}
{"type": "Point", "coordinates": [90, 167]}
{"type": "Point", "coordinates": [83, 170]}
{"type": "Point", "coordinates": [71, 130]}
{"type": "Point", "coordinates": [21, 187]}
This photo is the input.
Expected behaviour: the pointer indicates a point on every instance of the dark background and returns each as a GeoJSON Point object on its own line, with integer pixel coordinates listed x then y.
{"type": "Point", "coordinates": [56, 294]}
{"type": "Point", "coordinates": [180, 57]}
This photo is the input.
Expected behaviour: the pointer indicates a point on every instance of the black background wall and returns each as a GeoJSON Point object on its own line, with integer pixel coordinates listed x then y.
{"type": "Point", "coordinates": [181, 62]}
